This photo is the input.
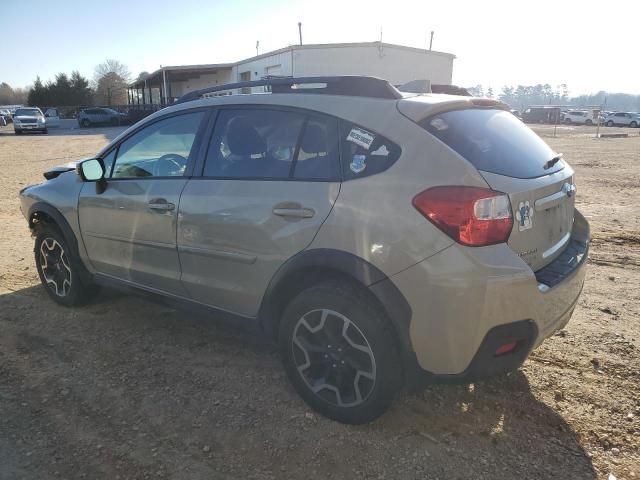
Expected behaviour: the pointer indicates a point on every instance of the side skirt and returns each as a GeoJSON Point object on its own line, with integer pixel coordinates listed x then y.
{"type": "Point", "coordinates": [249, 325]}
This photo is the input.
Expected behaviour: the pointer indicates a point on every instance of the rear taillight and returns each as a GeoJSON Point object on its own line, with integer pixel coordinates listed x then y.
{"type": "Point", "coordinates": [471, 216]}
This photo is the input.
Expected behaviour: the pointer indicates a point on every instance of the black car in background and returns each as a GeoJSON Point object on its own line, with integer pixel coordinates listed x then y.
{"type": "Point", "coordinates": [101, 116]}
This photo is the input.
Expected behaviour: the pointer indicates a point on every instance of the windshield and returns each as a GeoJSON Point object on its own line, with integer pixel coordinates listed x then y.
{"type": "Point", "coordinates": [29, 112]}
{"type": "Point", "coordinates": [493, 141]}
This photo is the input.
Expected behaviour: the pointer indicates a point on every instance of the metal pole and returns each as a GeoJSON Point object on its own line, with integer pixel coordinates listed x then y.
{"type": "Point", "coordinates": [300, 31]}
{"type": "Point", "coordinates": [164, 89]}
{"type": "Point", "coordinates": [431, 41]}
{"type": "Point", "coordinates": [257, 47]}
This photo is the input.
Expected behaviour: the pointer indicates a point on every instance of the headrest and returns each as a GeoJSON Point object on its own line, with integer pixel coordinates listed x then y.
{"type": "Point", "coordinates": [243, 138]}
{"type": "Point", "coordinates": [314, 139]}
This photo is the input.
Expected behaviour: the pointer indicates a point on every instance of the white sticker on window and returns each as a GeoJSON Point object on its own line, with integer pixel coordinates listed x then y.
{"type": "Point", "coordinates": [382, 151]}
{"type": "Point", "coordinates": [361, 137]}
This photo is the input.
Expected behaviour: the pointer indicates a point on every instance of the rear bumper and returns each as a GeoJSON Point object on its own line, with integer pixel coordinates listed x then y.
{"type": "Point", "coordinates": [467, 302]}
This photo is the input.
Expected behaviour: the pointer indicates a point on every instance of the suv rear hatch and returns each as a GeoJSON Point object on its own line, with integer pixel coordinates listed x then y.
{"type": "Point", "coordinates": [514, 160]}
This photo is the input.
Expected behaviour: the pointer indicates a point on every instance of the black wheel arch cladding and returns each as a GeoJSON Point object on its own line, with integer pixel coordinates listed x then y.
{"type": "Point", "coordinates": [345, 264]}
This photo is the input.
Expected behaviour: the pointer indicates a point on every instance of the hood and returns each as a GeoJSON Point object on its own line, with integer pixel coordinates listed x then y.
{"type": "Point", "coordinates": [60, 169]}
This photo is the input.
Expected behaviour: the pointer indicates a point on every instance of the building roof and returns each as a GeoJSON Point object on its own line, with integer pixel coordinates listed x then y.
{"type": "Point", "coordinates": [188, 71]}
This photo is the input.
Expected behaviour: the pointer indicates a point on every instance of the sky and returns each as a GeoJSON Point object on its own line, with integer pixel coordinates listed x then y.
{"type": "Point", "coordinates": [588, 45]}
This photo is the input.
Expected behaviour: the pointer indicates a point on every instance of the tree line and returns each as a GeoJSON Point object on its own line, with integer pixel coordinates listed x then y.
{"type": "Point", "coordinates": [522, 96]}
{"type": "Point", "coordinates": [108, 87]}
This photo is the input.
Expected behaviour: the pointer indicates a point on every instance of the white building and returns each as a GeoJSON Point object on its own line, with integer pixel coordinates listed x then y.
{"type": "Point", "coordinates": [396, 63]}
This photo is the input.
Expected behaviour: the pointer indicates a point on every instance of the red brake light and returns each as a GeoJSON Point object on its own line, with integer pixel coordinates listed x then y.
{"type": "Point", "coordinates": [471, 216]}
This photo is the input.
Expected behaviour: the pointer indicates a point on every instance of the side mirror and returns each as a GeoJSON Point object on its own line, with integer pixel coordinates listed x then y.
{"type": "Point", "coordinates": [91, 170]}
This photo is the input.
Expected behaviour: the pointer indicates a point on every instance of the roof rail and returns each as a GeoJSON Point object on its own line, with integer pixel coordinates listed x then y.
{"type": "Point", "coordinates": [351, 85]}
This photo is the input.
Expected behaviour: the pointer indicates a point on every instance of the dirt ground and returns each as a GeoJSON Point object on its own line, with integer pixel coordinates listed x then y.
{"type": "Point", "coordinates": [129, 388]}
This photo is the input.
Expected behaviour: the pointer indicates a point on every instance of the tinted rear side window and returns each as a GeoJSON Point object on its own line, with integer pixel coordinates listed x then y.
{"type": "Point", "coordinates": [493, 141]}
{"type": "Point", "coordinates": [365, 152]}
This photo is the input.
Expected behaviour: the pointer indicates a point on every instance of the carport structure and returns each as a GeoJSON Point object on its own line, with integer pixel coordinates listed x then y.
{"type": "Point", "coordinates": [163, 86]}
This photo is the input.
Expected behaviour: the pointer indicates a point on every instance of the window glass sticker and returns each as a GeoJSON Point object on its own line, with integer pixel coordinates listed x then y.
{"type": "Point", "coordinates": [358, 163]}
{"type": "Point", "coordinates": [361, 137]}
{"type": "Point", "coordinates": [381, 151]}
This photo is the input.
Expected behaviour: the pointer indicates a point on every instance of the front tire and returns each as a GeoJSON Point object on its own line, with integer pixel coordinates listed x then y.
{"type": "Point", "coordinates": [633, 124]}
{"type": "Point", "coordinates": [339, 352]}
{"type": "Point", "coordinates": [588, 122]}
{"type": "Point", "coordinates": [60, 270]}
{"type": "Point", "coordinates": [85, 123]}
{"type": "Point", "coordinates": [17, 132]}
{"type": "Point", "coordinates": [610, 123]}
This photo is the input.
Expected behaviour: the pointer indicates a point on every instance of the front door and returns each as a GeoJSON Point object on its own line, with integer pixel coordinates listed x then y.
{"type": "Point", "coordinates": [129, 229]}
{"type": "Point", "coordinates": [52, 117]}
{"type": "Point", "coordinates": [270, 180]}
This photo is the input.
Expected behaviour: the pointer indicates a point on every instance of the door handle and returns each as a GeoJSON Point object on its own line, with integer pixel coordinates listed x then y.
{"type": "Point", "coordinates": [294, 212]}
{"type": "Point", "coordinates": [161, 204]}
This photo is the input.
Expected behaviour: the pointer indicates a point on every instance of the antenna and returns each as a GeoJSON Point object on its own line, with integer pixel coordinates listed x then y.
{"type": "Point", "coordinates": [257, 46]}
{"type": "Point", "coordinates": [300, 31]}
{"type": "Point", "coordinates": [431, 41]}
{"type": "Point", "coordinates": [380, 33]}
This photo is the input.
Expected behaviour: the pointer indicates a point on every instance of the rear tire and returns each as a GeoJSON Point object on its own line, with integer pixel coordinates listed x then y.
{"type": "Point", "coordinates": [339, 352]}
{"type": "Point", "coordinates": [588, 122]}
{"type": "Point", "coordinates": [567, 121]}
{"type": "Point", "coordinates": [45, 131]}
{"type": "Point", "coordinates": [633, 124]}
{"type": "Point", "coordinates": [60, 269]}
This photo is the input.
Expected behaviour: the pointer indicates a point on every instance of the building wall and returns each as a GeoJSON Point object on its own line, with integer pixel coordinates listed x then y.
{"type": "Point", "coordinates": [204, 80]}
{"type": "Point", "coordinates": [397, 65]}
{"type": "Point", "coordinates": [278, 64]}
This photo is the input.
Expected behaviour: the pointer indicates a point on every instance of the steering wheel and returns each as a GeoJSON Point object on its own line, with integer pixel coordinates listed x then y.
{"type": "Point", "coordinates": [169, 165]}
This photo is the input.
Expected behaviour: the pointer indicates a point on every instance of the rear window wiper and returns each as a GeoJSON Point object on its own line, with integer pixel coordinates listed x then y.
{"type": "Point", "coordinates": [552, 162]}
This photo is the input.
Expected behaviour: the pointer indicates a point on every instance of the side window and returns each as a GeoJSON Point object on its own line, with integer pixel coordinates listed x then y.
{"type": "Point", "coordinates": [364, 152]}
{"type": "Point", "coordinates": [318, 152]}
{"type": "Point", "coordinates": [253, 143]}
{"type": "Point", "coordinates": [108, 162]}
{"type": "Point", "coordinates": [160, 150]}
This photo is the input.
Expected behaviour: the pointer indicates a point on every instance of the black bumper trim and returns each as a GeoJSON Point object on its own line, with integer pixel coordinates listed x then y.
{"type": "Point", "coordinates": [485, 363]}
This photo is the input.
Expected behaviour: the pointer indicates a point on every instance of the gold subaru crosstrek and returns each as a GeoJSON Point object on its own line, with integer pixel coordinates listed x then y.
{"type": "Point", "coordinates": [384, 239]}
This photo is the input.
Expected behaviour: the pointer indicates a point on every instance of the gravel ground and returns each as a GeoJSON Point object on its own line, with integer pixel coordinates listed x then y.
{"type": "Point", "coordinates": [130, 388]}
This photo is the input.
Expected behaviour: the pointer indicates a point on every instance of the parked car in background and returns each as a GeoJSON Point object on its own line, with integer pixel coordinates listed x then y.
{"type": "Point", "coordinates": [100, 116]}
{"type": "Point", "coordinates": [622, 119]}
{"type": "Point", "coordinates": [6, 115]}
{"type": "Point", "coordinates": [382, 239]}
{"type": "Point", "coordinates": [52, 117]}
{"type": "Point", "coordinates": [542, 114]}
{"type": "Point", "coordinates": [580, 117]}
{"type": "Point", "coordinates": [29, 119]}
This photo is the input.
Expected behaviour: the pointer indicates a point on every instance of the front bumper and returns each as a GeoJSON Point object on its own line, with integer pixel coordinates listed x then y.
{"type": "Point", "coordinates": [466, 300]}
{"type": "Point", "coordinates": [30, 126]}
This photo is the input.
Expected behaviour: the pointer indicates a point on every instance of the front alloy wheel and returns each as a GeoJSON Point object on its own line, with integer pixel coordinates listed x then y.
{"type": "Point", "coordinates": [55, 267]}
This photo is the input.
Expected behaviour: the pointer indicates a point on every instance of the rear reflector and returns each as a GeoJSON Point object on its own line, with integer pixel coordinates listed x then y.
{"type": "Point", "coordinates": [506, 348]}
{"type": "Point", "coordinates": [471, 216]}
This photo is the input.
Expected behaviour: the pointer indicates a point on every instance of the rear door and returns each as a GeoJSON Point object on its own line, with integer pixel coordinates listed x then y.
{"type": "Point", "coordinates": [514, 160]}
{"type": "Point", "coordinates": [270, 178]}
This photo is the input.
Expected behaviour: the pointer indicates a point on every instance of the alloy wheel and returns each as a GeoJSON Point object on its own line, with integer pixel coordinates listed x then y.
{"type": "Point", "coordinates": [334, 358]}
{"type": "Point", "coordinates": [55, 266]}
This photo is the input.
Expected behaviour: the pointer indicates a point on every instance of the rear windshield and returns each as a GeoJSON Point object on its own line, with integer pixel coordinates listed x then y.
{"type": "Point", "coordinates": [493, 141]}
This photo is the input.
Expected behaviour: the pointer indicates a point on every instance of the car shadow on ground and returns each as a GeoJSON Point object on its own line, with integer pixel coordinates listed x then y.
{"type": "Point", "coordinates": [168, 374]}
